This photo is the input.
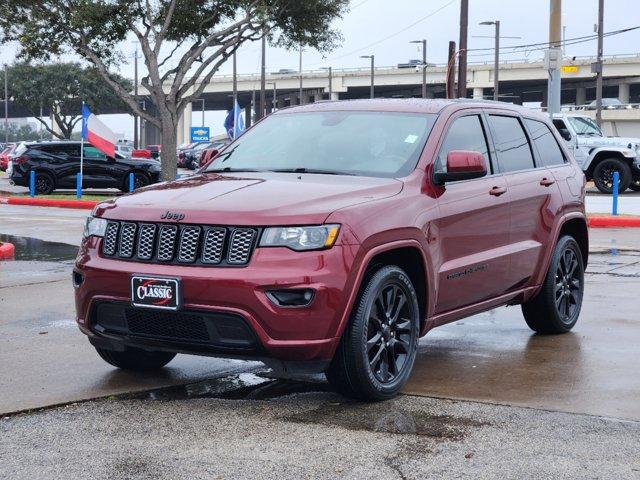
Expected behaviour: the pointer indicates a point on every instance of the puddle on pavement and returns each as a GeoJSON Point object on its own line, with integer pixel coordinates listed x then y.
{"type": "Point", "coordinates": [244, 386]}
{"type": "Point", "coordinates": [384, 417]}
{"type": "Point", "coordinates": [381, 417]}
{"type": "Point", "coordinates": [33, 249]}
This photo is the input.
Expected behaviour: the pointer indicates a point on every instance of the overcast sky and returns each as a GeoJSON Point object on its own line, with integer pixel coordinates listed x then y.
{"type": "Point", "coordinates": [385, 28]}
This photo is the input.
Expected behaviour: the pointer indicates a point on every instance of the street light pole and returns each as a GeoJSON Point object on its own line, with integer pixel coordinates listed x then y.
{"type": "Point", "coordinates": [373, 68]}
{"type": "Point", "coordinates": [263, 93]}
{"type": "Point", "coordinates": [553, 57]}
{"type": "Point", "coordinates": [599, 63]}
{"type": "Point", "coordinates": [235, 81]}
{"type": "Point", "coordinates": [496, 58]}
{"type": "Point", "coordinates": [202, 100]}
{"type": "Point", "coordinates": [136, 140]}
{"type": "Point", "coordinates": [300, 74]}
{"type": "Point", "coordinates": [6, 103]}
{"type": "Point", "coordinates": [424, 66]}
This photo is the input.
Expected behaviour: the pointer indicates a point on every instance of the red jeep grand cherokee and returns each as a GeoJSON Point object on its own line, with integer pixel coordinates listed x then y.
{"type": "Point", "coordinates": [330, 237]}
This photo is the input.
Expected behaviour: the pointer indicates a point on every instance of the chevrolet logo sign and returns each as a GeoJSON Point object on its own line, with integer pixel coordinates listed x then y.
{"type": "Point", "coordinates": [200, 132]}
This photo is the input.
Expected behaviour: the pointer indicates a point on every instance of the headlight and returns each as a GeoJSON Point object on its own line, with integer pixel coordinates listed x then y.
{"type": "Point", "coordinates": [300, 238]}
{"type": "Point", "coordinates": [95, 226]}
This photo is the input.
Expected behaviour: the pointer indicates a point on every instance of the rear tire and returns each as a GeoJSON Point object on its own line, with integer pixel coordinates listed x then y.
{"type": "Point", "coordinates": [44, 183]}
{"type": "Point", "coordinates": [556, 307]}
{"type": "Point", "coordinates": [603, 175]}
{"type": "Point", "coordinates": [378, 347]}
{"type": "Point", "coordinates": [135, 359]}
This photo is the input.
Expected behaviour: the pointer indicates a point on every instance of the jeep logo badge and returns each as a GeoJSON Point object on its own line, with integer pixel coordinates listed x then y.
{"type": "Point", "coordinates": [172, 216]}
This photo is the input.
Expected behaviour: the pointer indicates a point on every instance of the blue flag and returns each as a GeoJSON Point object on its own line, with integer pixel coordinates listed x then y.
{"type": "Point", "coordinates": [234, 122]}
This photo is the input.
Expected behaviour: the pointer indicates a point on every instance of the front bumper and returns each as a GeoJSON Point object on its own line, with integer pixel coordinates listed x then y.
{"type": "Point", "coordinates": [309, 333]}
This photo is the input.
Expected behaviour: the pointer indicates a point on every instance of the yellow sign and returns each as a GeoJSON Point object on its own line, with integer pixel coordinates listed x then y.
{"type": "Point", "coordinates": [569, 69]}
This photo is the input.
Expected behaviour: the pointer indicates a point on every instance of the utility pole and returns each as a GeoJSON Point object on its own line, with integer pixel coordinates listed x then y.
{"type": "Point", "coordinates": [136, 139]}
{"type": "Point", "coordinates": [599, 63]}
{"type": "Point", "coordinates": [451, 71]}
{"type": "Point", "coordinates": [496, 58]}
{"type": "Point", "coordinates": [300, 74]}
{"type": "Point", "coordinates": [235, 81]}
{"type": "Point", "coordinates": [373, 73]}
{"type": "Point", "coordinates": [6, 103]}
{"type": "Point", "coordinates": [553, 56]}
{"type": "Point", "coordinates": [424, 66]}
{"type": "Point", "coordinates": [263, 84]}
{"type": "Point", "coordinates": [462, 62]}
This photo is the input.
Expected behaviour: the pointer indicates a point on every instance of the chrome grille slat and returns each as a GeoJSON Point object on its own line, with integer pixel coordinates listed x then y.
{"type": "Point", "coordinates": [179, 244]}
{"type": "Point", "coordinates": [167, 242]}
{"type": "Point", "coordinates": [240, 245]}
{"type": "Point", "coordinates": [189, 240]}
{"type": "Point", "coordinates": [127, 237]}
{"type": "Point", "coordinates": [213, 245]}
{"type": "Point", "coordinates": [146, 241]}
{"type": "Point", "coordinates": [110, 241]}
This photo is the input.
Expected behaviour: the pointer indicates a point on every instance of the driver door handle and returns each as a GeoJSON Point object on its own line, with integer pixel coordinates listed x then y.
{"type": "Point", "coordinates": [546, 182]}
{"type": "Point", "coordinates": [497, 191]}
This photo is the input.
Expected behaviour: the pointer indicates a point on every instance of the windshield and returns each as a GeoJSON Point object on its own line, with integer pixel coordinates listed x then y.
{"type": "Point", "coordinates": [378, 144]}
{"type": "Point", "coordinates": [584, 126]}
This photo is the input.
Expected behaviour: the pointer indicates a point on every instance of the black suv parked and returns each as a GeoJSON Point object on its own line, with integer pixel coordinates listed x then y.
{"type": "Point", "coordinates": [57, 163]}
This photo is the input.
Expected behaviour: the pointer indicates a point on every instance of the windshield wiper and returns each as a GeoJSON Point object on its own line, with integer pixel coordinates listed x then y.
{"type": "Point", "coordinates": [229, 169]}
{"type": "Point", "coordinates": [310, 170]}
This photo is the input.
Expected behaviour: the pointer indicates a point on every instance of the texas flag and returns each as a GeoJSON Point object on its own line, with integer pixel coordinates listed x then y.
{"type": "Point", "coordinates": [97, 133]}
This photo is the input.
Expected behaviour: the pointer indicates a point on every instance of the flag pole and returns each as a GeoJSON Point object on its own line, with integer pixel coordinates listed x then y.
{"type": "Point", "coordinates": [79, 181]}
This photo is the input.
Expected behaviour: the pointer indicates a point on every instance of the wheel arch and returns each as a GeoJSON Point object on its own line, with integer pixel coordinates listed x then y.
{"type": "Point", "coordinates": [406, 254]}
{"type": "Point", "coordinates": [600, 155]}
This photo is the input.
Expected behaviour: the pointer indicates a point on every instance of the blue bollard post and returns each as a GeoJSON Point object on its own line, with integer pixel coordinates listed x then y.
{"type": "Point", "coordinates": [131, 182]}
{"type": "Point", "coordinates": [616, 179]}
{"type": "Point", "coordinates": [78, 185]}
{"type": "Point", "coordinates": [32, 183]}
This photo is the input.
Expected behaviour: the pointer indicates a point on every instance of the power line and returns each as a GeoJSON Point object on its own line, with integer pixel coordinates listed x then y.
{"type": "Point", "coordinates": [422, 19]}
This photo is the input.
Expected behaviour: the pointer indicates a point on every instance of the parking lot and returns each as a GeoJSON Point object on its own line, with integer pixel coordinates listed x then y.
{"type": "Point", "coordinates": [484, 390]}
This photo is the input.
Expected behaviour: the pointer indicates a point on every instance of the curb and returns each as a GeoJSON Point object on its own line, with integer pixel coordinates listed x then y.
{"type": "Point", "coordinates": [6, 251]}
{"type": "Point", "coordinates": [44, 202]}
{"type": "Point", "coordinates": [611, 221]}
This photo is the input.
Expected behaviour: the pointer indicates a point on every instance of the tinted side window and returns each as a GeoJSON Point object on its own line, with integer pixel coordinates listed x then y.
{"type": "Point", "coordinates": [465, 133]}
{"type": "Point", "coordinates": [559, 124]}
{"type": "Point", "coordinates": [545, 142]}
{"type": "Point", "coordinates": [514, 151]}
{"type": "Point", "coordinates": [93, 153]}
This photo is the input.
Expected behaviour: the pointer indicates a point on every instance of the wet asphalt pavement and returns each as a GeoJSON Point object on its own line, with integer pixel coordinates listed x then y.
{"type": "Point", "coordinates": [209, 418]}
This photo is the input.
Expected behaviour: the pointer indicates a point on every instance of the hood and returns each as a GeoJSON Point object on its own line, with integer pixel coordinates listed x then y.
{"type": "Point", "coordinates": [622, 142]}
{"type": "Point", "coordinates": [250, 199]}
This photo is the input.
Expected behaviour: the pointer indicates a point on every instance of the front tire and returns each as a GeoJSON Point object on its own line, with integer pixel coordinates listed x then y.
{"type": "Point", "coordinates": [635, 183]}
{"type": "Point", "coordinates": [378, 347]}
{"type": "Point", "coordinates": [135, 359]}
{"type": "Point", "coordinates": [603, 175]}
{"type": "Point", "coordinates": [555, 309]}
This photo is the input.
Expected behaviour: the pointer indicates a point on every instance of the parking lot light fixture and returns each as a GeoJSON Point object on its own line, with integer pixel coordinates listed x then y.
{"type": "Point", "coordinates": [373, 67]}
{"type": "Point", "coordinates": [424, 65]}
{"type": "Point", "coordinates": [496, 61]}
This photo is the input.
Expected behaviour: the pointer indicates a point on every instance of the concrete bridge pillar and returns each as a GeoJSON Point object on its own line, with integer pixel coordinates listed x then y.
{"type": "Point", "coordinates": [623, 92]}
{"type": "Point", "coordinates": [478, 93]}
{"type": "Point", "coordinates": [581, 95]}
{"type": "Point", "coordinates": [334, 96]}
{"type": "Point", "coordinates": [186, 123]}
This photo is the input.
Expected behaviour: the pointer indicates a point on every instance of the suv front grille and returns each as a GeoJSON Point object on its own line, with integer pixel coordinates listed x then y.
{"type": "Point", "coordinates": [183, 244]}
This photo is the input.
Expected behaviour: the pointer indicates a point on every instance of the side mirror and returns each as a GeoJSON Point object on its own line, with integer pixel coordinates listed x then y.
{"type": "Point", "coordinates": [566, 134]}
{"type": "Point", "coordinates": [462, 165]}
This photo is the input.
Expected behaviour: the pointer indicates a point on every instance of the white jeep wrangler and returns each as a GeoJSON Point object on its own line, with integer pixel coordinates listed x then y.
{"type": "Point", "coordinates": [600, 156]}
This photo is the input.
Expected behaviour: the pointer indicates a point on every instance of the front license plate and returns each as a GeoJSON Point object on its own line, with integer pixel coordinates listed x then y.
{"type": "Point", "coordinates": [153, 292]}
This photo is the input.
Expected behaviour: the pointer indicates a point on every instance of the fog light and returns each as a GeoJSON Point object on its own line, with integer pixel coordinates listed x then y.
{"type": "Point", "coordinates": [299, 297]}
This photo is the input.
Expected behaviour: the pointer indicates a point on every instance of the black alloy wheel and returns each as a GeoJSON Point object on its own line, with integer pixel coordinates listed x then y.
{"type": "Point", "coordinates": [44, 183]}
{"type": "Point", "coordinates": [378, 347]}
{"type": "Point", "coordinates": [556, 307]}
{"type": "Point", "coordinates": [389, 333]}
